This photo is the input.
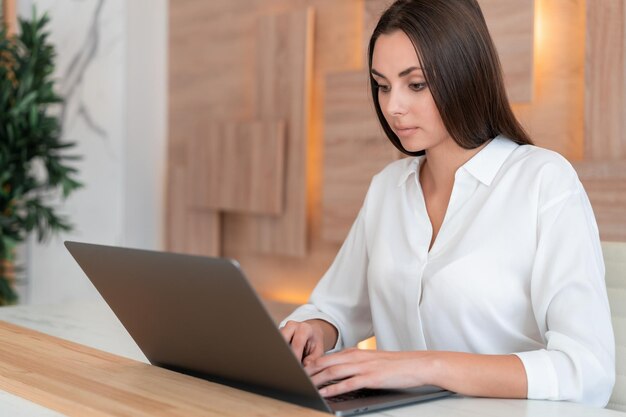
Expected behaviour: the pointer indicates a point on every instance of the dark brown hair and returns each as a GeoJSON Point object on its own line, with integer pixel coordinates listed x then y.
{"type": "Point", "coordinates": [461, 68]}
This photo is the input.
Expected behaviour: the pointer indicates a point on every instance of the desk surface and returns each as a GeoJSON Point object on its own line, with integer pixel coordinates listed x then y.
{"type": "Point", "coordinates": [95, 383]}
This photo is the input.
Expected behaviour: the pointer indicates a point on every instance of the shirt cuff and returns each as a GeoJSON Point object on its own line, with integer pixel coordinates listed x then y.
{"type": "Point", "coordinates": [542, 378]}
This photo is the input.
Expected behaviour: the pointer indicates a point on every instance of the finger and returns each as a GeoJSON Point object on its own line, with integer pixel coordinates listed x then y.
{"type": "Point", "coordinates": [334, 359]}
{"type": "Point", "coordinates": [288, 330]}
{"type": "Point", "coordinates": [299, 341]}
{"type": "Point", "coordinates": [316, 351]}
{"type": "Point", "coordinates": [290, 333]}
{"type": "Point", "coordinates": [346, 385]}
{"type": "Point", "coordinates": [337, 372]}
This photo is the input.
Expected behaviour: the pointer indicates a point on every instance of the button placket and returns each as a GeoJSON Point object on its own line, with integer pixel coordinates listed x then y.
{"type": "Point", "coordinates": [421, 244]}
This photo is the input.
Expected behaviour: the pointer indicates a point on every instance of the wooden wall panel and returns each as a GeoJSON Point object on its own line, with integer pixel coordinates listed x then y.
{"type": "Point", "coordinates": [554, 119]}
{"type": "Point", "coordinates": [337, 39]}
{"type": "Point", "coordinates": [207, 80]}
{"type": "Point", "coordinates": [284, 59]}
{"type": "Point", "coordinates": [187, 231]}
{"type": "Point", "coordinates": [372, 9]}
{"type": "Point", "coordinates": [603, 171]}
{"type": "Point", "coordinates": [211, 61]}
{"type": "Point", "coordinates": [511, 24]}
{"type": "Point", "coordinates": [193, 231]}
{"type": "Point", "coordinates": [202, 232]}
{"type": "Point", "coordinates": [355, 148]}
{"type": "Point", "coordinates": [605, 79]}
{"type": "Point", "coordinates": [213, 75]}
{"type": "Point", "coordinates": [237, 167]}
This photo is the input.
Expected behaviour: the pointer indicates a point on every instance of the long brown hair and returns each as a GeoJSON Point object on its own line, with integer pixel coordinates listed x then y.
{"type": "Point", "coordinates": [461, 68]}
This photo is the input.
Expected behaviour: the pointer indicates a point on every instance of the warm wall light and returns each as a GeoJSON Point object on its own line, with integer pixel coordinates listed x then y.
{"type": "Point", "coordinates": [540, 32]}
{"type": "Point", "coordinates": [286, 296]}
{"type": "Point", "coordinates": [555, 116]}
{"type": "Point", "coordinates": [539, 29]}
{"type": "Point", "coordinates": [368, 344]}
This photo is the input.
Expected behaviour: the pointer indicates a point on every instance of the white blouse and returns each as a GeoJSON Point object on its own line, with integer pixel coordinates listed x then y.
{"type": "Point", "coordinates": [516, 268]}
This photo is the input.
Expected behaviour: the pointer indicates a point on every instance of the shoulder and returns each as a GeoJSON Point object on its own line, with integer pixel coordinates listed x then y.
{"type": "Point", "coordinates": [536, 161]}
{"type": "Point", "coordinates": [540, 158]}
{"type": "Point", "coordinates": [546, 172]}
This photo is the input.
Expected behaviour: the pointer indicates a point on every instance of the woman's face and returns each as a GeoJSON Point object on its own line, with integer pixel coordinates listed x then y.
{"type": "Point", "coordinates": [404, 97]}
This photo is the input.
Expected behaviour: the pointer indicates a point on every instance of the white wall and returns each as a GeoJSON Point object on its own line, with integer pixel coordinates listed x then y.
{"type": "Point", "coordinates": [111, 68]}
{"type": "Point", "coordinates": [146, 142]}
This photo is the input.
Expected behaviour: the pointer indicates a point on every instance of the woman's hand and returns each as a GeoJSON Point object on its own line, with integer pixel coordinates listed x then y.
{"type": "Point", "coordinates": [355, 368]}
{"type": "Point", "coordinates": [497, 376]}
{"type": "Point", "coordinates": [309, 339]}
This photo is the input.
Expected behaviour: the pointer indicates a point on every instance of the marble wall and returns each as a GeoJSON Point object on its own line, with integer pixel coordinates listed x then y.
{"type": "Point", "coordinates": [105, 113]}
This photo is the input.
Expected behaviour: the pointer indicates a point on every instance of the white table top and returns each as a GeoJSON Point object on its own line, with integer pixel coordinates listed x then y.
{"type": "Point", "coordinates": [92, 323]}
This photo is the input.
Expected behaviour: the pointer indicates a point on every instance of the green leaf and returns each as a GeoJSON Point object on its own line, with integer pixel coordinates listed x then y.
{"type": "Point", "coordinates": [7, 247]}
{"type": "Point", "coordinates": [69, 185]}
{"type": "Point", "coordinates": [8, 296]}
{"type": "Point", "coordinates": [30, 138]}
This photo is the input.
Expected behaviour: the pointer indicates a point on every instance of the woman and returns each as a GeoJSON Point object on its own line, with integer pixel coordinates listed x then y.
{"type": "Point", "coordinates": [476, 263]}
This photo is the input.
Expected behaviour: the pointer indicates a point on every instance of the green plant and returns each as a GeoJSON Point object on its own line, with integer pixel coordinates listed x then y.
{"type": "Point", "coordinates": [34, 166]}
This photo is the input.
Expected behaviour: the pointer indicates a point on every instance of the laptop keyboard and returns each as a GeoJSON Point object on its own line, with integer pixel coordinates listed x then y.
{"type": "Point", "coordinates": [355, 395]}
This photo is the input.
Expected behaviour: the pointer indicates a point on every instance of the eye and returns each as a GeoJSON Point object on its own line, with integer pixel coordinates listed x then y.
{"type": "Point", "coordinates": [383, 88]}
{"type": "Point", "coordinates": [417, 86]}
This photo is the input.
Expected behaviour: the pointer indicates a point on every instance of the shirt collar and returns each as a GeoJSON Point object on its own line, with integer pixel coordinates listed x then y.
{"type": "Point", "coordinates": [483, 166]}
{"type": "Point", "coordinates": [412, 168]}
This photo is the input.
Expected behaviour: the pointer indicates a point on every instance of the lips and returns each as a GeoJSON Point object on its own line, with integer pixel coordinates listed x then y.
{"type": "Point", "coordinates": [405, 130]}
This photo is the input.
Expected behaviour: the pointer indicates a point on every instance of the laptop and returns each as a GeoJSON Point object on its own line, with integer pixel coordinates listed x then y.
{"type": "Point", "coordinates": [200, 316]}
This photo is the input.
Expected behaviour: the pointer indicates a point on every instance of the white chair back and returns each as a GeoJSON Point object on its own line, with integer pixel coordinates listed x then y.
{"type": "Point", "coordinates": [615, 261]}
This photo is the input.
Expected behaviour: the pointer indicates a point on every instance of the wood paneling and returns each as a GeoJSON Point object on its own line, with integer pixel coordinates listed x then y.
{"type": "Point", "coordinates": [210, 77]}
{"type": "Point", "coordinates": [511, 24]}
{"type": "Point", "coordinates": [554, 119]}
{"type": "Point", "coordinates": [195, 232]}
{"type": "Point", "coordinates": [202, 233]}
{"type": "Point", "coordinates": [604, 171]}
{"type": "Point", "coordinates": [284, 70]}
{"type": "Point", "coordinates": [605, 183]}
{"type": "Point", "coordinates": [605, 73]}
{"type": "Point", "coordinates": [237, 167]}
{"type": "Point", "coordinates": [372, 9]}
{"type": "Point", "coordinates": [213, 74]}
{"type": "Point", "coordinates": [337, 39]}
{"type": "Point", "coordinates": [188, 230]}
{"type": "Point", "coordinates": [355, 148]}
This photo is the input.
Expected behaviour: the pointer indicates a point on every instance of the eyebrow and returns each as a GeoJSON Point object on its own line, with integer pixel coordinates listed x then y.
{"type": "Point", "coordinates": [400, 74]}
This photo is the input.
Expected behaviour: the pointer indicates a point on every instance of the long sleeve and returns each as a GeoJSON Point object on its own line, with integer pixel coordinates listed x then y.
{"type": "Point", "coordinates": [570, 304]}
{"type": "Point", "coordinates": [341, 296]}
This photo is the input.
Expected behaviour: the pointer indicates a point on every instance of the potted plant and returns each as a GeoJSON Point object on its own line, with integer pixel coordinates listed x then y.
{"type": "Point", "coordinates": [34, 164]}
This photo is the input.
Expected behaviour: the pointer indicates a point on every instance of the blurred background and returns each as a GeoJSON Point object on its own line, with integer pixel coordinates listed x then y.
{"type": "Point", "coordinates": [244, 128]}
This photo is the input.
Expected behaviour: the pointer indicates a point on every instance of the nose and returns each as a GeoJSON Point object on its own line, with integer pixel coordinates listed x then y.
{"type": "Point", "coordinates": [396, 103]}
